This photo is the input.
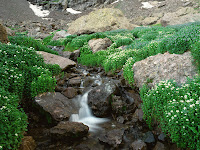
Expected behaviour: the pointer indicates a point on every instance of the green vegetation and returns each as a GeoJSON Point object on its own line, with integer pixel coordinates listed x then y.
{"type": "Point", "coordinates": [23, 76]}
{"type": "Point", "coordinates": [30, 42]}
{"type": "Point", "coordinates": [177, 109]}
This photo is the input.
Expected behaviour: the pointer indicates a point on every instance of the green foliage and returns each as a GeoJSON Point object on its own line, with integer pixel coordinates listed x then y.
{"type": "Point", "coordinates": [30, 42]}
{"type": "Point", "coordinates": [47, 39]}
{"type": "Point", "coordinates": [196, 54]}
{"type": "Point", "coordinates": [23, 75]}
{"type": "Point", "coordinates": [128, 70]}
{"type": "Point", "coordinates": [181, 41]}
{"type": "Point", "coordinates": [177, 109]}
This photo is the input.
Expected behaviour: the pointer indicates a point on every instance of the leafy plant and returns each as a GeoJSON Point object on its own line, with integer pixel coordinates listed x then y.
{"type": "Point", "coordinates": [177, 110]}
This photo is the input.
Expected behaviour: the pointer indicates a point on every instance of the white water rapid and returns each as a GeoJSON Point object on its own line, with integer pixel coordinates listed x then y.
{"type": "Point", "coordinates": [85, 113]}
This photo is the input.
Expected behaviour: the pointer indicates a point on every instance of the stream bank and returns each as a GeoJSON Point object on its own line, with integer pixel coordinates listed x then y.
{"type": "Point", "coordinates": [113, 103]}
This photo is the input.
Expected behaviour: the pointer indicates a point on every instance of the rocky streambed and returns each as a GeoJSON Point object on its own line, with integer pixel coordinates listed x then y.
{"type": "Point", "coordinates": [91, 110]}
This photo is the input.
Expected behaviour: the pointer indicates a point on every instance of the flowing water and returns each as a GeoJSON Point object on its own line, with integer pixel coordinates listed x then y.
{"type": "Point", "coordinates": [85, 114]}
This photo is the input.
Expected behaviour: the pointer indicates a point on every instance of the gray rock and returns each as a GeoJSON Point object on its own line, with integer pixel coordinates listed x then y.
{"type": "Point", "coordinates": [150, 20]}
{"type": "Point", "coordinates": [76, 81]}
{"type": "Point", "coordinates": [113, 138]}
{"type": "Point", "coordinates": [70, 92]}
{"type": "Point", "coordinates": [99, 21]}
{"type": "Point", "coordinates": [99, 44]}
{"type": "Point", "coordinates": [164, 67]}
{"type": "Point", "coordinates": [138, 145]}
{"type": "Point", "coordinates": [162, 137]}
{"type": "Point", "coordinates": [181, 16]}
{"type": "Point", "coordinates": [57, 105]}
{"type": "Point", "coordinates": [3, 34]}
{"type": "Point", "coordinates": [99, 98]}
{"type": "Point", "coordinates": [138, 115]}
{"type": "Point", "coordinates": [60, 34]}
{"type": "Point", "coordinates": [67, 54]}
{"type": "Point", "coordinates": [149, 137]}
{"type": "Point", "coordinates": [118, 105]}
{"type": "Point", "coordinates": [64, 63]}
{"type": "Point", "coordinates": [69, 130]}
{"type": "Point", "coordinates": [160, 146]}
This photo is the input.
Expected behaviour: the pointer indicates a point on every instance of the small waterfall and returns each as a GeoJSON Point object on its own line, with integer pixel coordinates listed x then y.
{"type": "Point", "coordinates": [85, 114]}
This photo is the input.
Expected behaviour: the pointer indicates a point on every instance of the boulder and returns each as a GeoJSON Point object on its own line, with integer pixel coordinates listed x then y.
{"type": "Point", "coordinates": [64, 63]}
{"type": "Point", "coordinates": [99, 44]}
{"type": "Point", "coordinates": [99, 98]}
{"type": "Point", "coordinates": [164, 67]}
{"type": "Point", "coordinates": [160, 146]}
{"type": "Point", "coordinates": [113, 138]}
{"type": "Point", "coordinates": [99, 21]}
{"type": "Point", "coordinates": [60, 34]}
{"type": "Point", "coordinates": [181, 16]}
{"type": "Point", "coordinates": [57, 105]}
{"type": "Point", "coordinates": [27, 143]}
{"type": "Point", "coordinates": [76, 81]}
{"type": "Point", "coordinates": [138, 115]}
{"type": "Point", "coordinates": [138, 145]}
{"type": "Point", "coordinates": [149, 137]}
{"type": "Point", "coordinates": [3, 34]}
{"type": "Point", "coordinates": [69, 130]}
{"type": "Point", "coordinates": [70, 92]}
{"type": "Point", "coordinates": [150, 20]}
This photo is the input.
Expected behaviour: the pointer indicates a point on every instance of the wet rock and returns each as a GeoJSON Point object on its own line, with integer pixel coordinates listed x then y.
{"type": "Point", "coordinates": [70, 92]}
{"type": "Point", "coordinates": [57, 105]}
{"type": "Point", "coordinates": [120, 119]}
{"type": "Point", "coordinates": [64, 63]}
{"type": "Point", "coordinates": [164, 67]}
{"type": "Point", "coordinates": [99, 44]}
{"type": "Point", "coordinates": [138, 145]}
{"type": "Point", "coordinates": [160, 146]}
{"type": "Point", "coordinates": [162, 137]}
{"type": "Point", "coordinates": [149, 137]}
{"type": "Point", "coordinates": [133, 97]}
{"type": "Point", "coordinates": [69, 130]}
{"type": "Point", "coordinates": [99, 21]}
{"type": "Point", "coordinates": [3, 34]}
{"type": "Point", "coordinates": [118, 105]}
{"type": "Point", "coordinates": [99, 98]}
{"type": "Point", "coordinates": [27, 143]}
{"type": "Point", "coordinates": [60, 82]}
{"type": "Point", "coordinates": [138, 115]}
{"type": "Point", "coordinates": [113, 138]}
{"type": "Point", "coordinates": [76, 81]}
{"type": "Point", "coordinates": [60, 34]}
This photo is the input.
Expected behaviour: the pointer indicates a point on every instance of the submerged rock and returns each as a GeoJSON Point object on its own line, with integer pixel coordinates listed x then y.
{"type": "Point", "coordinates": [65, 131]}
{"type": "Point", "coordinates": [57, 105]}
{"type": "Point", "coordinates": [99, 98]}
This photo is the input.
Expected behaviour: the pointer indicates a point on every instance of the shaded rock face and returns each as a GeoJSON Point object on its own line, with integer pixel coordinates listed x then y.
{"type": "Point", "coordinates": [69, 130]}
{"type": "Point", "coordinates": [183, 15]}
{"type": "Point", "coordinates": [99, 21]}
{"type": "Point", "coordinates": [63, 62]}
{"type": "Point", "coordinates": [164, 67]}
{"type": "Point", "coordinates": [57, 105]}
{"type": "Point", "coordinates": [138, 145]}
{"type": "Point", "coordinates": [28, 143]}
{"type": "Point", "coordinates": [3, 34]}
{"type": "Point", "coordinates": [113, 138]}
{"type": "Point", "coordinates": [99, 44]}
{"type": "Point", "coordinates": [99, 98]}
